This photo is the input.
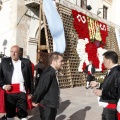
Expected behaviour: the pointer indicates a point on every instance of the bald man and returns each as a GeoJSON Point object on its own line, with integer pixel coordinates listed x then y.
{"type": "Point", "coordinates": [16, 80]}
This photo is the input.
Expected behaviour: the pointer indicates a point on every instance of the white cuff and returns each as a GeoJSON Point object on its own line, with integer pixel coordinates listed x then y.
{"type": "Point", "coordinates": [118, 106]}
{"type": "Point", "coordinates": [4, 86]}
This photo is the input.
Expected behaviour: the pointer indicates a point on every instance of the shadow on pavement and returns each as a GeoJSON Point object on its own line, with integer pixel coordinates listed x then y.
{"type": "Point", "coordinates": [63, 106]}
{"type": "Point", "coordinates": [80, 115]}
{"type": "Point", "coordinates": [61, 117]}
{"type": "Point", "coordinates": [61, 109]}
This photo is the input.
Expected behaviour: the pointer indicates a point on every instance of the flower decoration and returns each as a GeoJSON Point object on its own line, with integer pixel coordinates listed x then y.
{"type": "Point", "coordinates": [92, 39]}
{"type": "Point", "coordinates": [80, 24]}
{"type": "Point", "coordinates": [103, 31]}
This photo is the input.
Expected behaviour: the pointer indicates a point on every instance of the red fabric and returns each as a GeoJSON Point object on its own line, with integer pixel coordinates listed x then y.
{"type": "Point", "coordinates": [32, 65]}
{"type": "Point", "coordinates": [103, 67]}
{"type": "Point", "coordinates": [29, 102]}
{"type": "Point", "coordinates": [112, 106]}
{"type": "Point", "coordinates": [84, 66]}
{"type": "Point", "coordinates": [15, 88]}
{"type": "Point", "coordinates": [118, 116]}
{"type": "Point", "coordinates": [2, 101]}
{"type": "Point", "coordinates": [89, 72]}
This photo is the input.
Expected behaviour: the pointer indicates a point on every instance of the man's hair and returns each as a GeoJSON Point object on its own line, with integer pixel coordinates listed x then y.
{"type": "Point", "coordinates": [54, 56]}
{"type": "Point", "coordinates": [17, 48]}
{"type": "Point", "coordinates": [112, 55]}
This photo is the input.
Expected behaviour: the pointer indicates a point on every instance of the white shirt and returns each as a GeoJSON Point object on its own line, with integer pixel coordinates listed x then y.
{"type": "Point", "coordinates": [89, 68]}
{"type": "Point", "coordinates": [17, 77]}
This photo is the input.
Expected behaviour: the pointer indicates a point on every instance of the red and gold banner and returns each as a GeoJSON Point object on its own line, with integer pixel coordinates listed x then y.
{"type": "Point", "coordinates": [96, 33]}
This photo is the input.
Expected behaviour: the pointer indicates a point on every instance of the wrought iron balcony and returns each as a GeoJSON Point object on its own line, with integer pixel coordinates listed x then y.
{"type": "Point", "coordinates": [32, 3]}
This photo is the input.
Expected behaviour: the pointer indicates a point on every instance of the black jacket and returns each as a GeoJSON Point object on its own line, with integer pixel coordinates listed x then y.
{"type": "Point", "coordinates": [40, 67]}
{"type": "Point", "coordinates": [47, 91]}
{"type": "Point", "coordinates": [111, 86]}
{"type": "Point", "coordinates": [7, 68]}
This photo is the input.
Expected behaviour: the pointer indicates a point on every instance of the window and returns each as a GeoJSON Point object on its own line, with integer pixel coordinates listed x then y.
{"type": "Point", "coordinates": [105, 12]}
{"type": "Point", "coordinates": [83, 4]}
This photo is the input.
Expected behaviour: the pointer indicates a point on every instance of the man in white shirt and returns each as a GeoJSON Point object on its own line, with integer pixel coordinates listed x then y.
{"type": "Point", "coordinates": [16, 80]}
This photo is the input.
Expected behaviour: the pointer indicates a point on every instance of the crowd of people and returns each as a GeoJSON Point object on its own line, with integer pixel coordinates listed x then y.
{"type": "Point", "coordinates": [16, 80]}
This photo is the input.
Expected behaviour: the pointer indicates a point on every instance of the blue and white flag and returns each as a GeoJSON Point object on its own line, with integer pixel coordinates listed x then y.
{"type": "Point", "coordinates": [55, 25]}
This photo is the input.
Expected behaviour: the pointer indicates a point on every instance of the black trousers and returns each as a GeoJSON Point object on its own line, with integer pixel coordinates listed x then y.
{"type": "Point", "coordinates": [47, 113]}
{"type": "Point", "coordinates": [109, 114]}
{"type": "Point", "coordinates": [16, 104]}
{"type": "Point", "coordinates": [90, 78]}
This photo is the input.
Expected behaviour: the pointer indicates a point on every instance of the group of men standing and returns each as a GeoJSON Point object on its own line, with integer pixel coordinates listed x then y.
{"type": "Point", "coordinates": [17, 81]}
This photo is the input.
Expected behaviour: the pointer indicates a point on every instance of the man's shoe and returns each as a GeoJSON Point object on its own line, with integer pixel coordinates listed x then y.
{"type": "Point", "coordinates": [87, 87]}
{"type": "Point", "coordinates": [4, 118]}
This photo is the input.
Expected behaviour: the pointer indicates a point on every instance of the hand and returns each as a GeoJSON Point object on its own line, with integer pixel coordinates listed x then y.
{"type": "Point", "coordinates": [7, 87]}
{"type": "Point", "coordinates": [94, 83]}
{"type": "Point", "coordinates": [29, 96]}
{"type": "Point", "coordinates": [35, 104]}
{"type": "Point", "coordinates": [97, 92]}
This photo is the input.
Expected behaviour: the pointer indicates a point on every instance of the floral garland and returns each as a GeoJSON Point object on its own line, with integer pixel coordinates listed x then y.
{"type": "Point", "coordinates": [86, 54]}
{"type": "Point", "coordinates": [91, 49]}
{"type": "Point", "coordinates": [80, 24]}
{"type": "Point", "coordinates": [92, 39]}
{"type": "Point", "coordinates": [103, 31]}
{"type": "Point", "coordinates": [81, 46]}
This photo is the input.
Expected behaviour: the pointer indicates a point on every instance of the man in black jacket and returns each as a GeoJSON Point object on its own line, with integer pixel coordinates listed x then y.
{"type": "Point", "coordinates": [16, 80]}
{"type": "Point", "coordinates": [109, 91]}
{"type": "Point", "coordinates": [47, 92]}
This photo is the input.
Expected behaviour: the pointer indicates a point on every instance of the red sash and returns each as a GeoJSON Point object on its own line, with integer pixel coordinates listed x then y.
{"type": "Point", "coordinates": [15, 88]}
{"type": "Point", "coordinates": [111, 106]}
{"type": "Point", "coordinates": [89, 72]}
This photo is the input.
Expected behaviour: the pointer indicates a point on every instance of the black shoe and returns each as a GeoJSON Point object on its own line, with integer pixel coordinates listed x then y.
{"type": "Point", "coordinates": [4, 117]}
{"type": "Point", "coordinates": [87, 87]}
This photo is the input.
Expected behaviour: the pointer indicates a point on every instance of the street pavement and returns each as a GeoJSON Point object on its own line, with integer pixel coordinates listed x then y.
{"type": "Point", "coordinates": [77, 103]}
